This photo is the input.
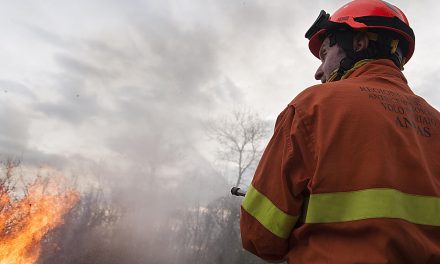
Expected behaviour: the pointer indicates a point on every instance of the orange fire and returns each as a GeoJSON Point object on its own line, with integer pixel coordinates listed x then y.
{"type": "Point", "coordinates": [25, 221]}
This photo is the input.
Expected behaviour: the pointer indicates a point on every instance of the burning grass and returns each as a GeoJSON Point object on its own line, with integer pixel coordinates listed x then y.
{"type": "Point", "coordinates": [25, 220]}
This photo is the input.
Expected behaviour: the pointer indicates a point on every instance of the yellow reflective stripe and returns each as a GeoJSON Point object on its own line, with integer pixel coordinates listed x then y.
{"type": "Point", "coordinates": [270, 216]}
{"type": "Point", "coordinates": [373, 203]}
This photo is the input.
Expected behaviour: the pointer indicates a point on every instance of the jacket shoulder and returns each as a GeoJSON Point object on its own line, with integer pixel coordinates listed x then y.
{"type": "Point", "coordinates": [315, 94]}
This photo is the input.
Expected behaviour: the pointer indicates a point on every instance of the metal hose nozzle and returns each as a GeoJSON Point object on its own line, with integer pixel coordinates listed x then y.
{"type": "Point", "coordinates": [237, 191]}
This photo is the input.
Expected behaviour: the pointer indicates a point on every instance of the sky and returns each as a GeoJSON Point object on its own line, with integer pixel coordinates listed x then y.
{"type": "Point", "coordinates": [123, 88]}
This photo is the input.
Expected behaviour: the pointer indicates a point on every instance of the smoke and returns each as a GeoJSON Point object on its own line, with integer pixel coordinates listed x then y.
{"type": "Point", "coordinates": [123, 109]}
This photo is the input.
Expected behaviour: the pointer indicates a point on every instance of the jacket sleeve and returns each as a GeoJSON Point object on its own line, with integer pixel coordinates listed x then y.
{"type": "Point", "coordinates": [272, 205]}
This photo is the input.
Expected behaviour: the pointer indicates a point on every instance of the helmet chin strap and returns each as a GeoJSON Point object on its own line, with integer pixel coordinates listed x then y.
{"type": "Point", "coordinates": [344, 39]}
{"type": "Point", "coordinates": [339, 74]}
{"type": "Point", "coordinates": [345, 64]}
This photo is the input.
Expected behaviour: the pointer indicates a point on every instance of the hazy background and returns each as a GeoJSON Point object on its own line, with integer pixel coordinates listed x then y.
{"type": "Point", "coordinates": [117, 93]}
{"type": "Point", "coordinates": [95, 87]}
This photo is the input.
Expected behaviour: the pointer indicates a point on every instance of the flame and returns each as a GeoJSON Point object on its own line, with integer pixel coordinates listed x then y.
{"type": "Point", "coordinates": [25, 221]}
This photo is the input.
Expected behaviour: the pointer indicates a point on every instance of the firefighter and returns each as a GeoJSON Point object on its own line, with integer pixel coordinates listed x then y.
{"type": "Point", "coordinates": [352, 172]}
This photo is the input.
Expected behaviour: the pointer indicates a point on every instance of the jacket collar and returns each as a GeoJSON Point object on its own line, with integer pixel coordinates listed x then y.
{"type": "Point", "coordinates": [378, 68]}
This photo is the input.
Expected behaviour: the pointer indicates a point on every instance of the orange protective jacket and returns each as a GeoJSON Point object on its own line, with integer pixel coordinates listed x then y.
{"type": "Point", "coordinates": [351, 175]}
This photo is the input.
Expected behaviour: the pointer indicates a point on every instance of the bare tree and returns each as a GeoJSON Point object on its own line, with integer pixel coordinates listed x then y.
{"type": "Point", "coordinates": [7, 179]}
{"type": "Point", "coordinates": [240, 136]}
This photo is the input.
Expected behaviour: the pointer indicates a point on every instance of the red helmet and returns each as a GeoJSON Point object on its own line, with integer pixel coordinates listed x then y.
{"type": "Point", "coordinates": [361, 15]}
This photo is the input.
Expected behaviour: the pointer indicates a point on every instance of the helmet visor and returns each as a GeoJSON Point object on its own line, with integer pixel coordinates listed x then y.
{"type": "Point", "coordinates": [320, 23]}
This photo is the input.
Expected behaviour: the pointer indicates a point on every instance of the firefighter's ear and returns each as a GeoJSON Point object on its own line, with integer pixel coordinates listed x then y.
{"type": "Point", "coordinates": [360, 41]}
